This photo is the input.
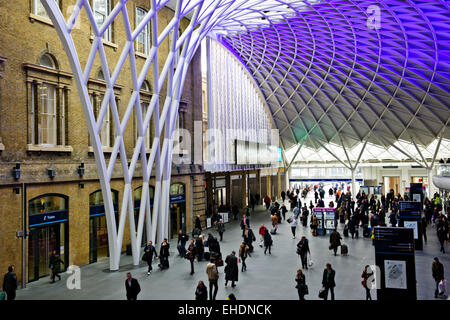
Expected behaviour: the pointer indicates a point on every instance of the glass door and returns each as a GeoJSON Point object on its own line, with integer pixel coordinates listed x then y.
{"type": "Point", "coordinates": [41, 243]}
{"type": "Point", "coordinates": [98, 239]}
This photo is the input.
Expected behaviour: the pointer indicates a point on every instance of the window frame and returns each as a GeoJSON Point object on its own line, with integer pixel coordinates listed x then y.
{"type": "Point", "coordinates": [145, 33]}
{"type": "Point", "coordinates": [108, 35]}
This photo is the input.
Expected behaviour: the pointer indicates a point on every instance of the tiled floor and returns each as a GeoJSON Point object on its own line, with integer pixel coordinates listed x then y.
{"type": "Point", "coordinates": [268, 276]}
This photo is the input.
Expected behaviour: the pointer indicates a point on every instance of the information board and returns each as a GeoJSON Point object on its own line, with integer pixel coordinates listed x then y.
{"type": "Point", "coordinates": [394, 256]}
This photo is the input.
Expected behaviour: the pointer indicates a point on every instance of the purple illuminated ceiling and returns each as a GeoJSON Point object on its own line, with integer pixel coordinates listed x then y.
{"type": "Point", "coordinates": [334, 73]}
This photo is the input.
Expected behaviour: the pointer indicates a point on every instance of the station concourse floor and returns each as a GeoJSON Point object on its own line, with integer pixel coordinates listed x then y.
{"type": "Point", "coordinates": [268, 277]}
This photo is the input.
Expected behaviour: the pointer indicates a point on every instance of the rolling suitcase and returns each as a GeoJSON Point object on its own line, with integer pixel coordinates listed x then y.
{"type": "Point", "coordinates": [344, 249]}
{"type": "Point", "coordinates": [273, 231]}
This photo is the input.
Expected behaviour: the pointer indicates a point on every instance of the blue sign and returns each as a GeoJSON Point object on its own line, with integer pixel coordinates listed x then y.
{"type": "Point", "coordinates": [410, 209]}
{"type": "Point", "coordinates": [99, 209]}
{"type": "Point", "coordinates": [394, 240]}
{"type": "Point", "coordinates": [177, 198]}
{"type": "Point", "coordinates": [47, 218]}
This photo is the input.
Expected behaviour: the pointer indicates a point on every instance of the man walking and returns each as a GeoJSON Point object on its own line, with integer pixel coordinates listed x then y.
{"type": "Point", "coordinates": [149, 251]}
{"type": "Point", "coordinates": [213, 277]}
{"type": "Point", "coordinates": [220, 229]}
{"type": "Point", "coordinates": [437, 269]}
{"type": "Point", "coordinates": [328, 281]}
{"type": "Point", "coordinates": [182, 239]}
{"type": "Point", "coordinates": [132, 287]}
{"type": "Point", "coordinates": [293, 226]}
{"type": "Point", "coordinates": [55, 265]}
{"type": "Point", "coordinates": [335, 240]}
{"type": "Point", "coordinates": [10, 283]}
{"type": "Point", "coordinates": [302, 251]}
{"type": "Point", "coordinates": [231, 269]}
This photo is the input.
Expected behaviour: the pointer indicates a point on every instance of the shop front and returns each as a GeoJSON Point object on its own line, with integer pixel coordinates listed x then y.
{"type": "Point", "coordinates": [98, 230]}
{"type": "Point", "coordinates": [177, 209]}
{"type": "Point", "coordinates": [49, 230]}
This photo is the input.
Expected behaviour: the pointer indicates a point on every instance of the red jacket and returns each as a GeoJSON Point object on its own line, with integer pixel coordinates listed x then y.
{"type": "Point", "coordinates": [262, 230]}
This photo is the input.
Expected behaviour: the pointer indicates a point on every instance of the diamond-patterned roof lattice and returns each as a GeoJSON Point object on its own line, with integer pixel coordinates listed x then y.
{"type": "Point", "coordinates": [329, 73]}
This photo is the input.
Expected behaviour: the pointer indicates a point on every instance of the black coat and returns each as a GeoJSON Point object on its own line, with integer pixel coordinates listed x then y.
{"type": "Point", "coordinates": [55, 262]}
{"type": "Point", "coordinates": [10, 282]}
{"type": "Point", "coordinates": [231, 269]}
{"type": "Point", "coordinates": [303, 247]}
{"type": "Point", "coordinates": [148, 255]}
{"type": "Point", "coordinates": [267, 239]}
{"type": "Point", "coordinates": [164, 251]}
{"type": "Point", "coordinates": [201, 294]}
{"type": "Point", "coordinates": [134, 289]}
{"type": "Point", "coordinates": [247, 221]}
{"type": "Point", "coordinates": [330, 283]}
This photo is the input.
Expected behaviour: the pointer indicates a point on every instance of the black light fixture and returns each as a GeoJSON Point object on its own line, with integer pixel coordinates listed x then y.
{"type": "Point", "coordinates": [16, 190]}
{"type": "Point", "coordinates": [81, 185]}
{"type": "Point", "coordinates": [15, 172]}
{"type": "Point", "coordinates": [51, 173]}
{"type": "Point", "coordinates": [80, 170]}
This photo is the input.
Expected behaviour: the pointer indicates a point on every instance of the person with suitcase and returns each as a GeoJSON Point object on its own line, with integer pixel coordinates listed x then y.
{"type": "Point", "coordinates": [335, 241]}
{"type": "Point", "coordinates": [437, 269]}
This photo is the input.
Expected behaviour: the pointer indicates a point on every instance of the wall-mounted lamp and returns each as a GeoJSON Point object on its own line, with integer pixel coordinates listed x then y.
{"type": "Point", "coordinates": [81, 185]}
{"type": "Point", "coordinates": [15, 172]}
{"type": "Point", "coordinates": [16, 190]}
{"type": "Point", "coordinates": [51, 173]}
{"type": "Point", "coordinates": [80, 170]}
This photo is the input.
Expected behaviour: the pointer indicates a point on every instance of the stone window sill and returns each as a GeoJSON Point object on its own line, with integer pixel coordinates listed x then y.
{"type": "Point", "coordinates": [38, 148]}
{"type": "Point", "coordinates": [107, 43]}
{"type": "Point", "coordinates": [105, 149]}
{"type": "Point", "coordinates": [34, 17]}
{"type": "Point", "coordinates": [140, 55]}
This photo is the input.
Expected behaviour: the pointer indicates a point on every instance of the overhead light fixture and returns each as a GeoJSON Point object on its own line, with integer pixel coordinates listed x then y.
{"type": "Point", "coordinates": [51, 173]}
{"type": "Point", "coordinates": [80, 170]}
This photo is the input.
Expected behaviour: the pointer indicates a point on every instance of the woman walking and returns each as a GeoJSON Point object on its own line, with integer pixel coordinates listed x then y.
{"type": "Point", "coordinates": [201, 293]}
{"type": "Point", "coordinates": [164, 255]}
{"type": "Point", "coordinates": [244, 252]}
{"type": "Point", "coordinates": [190, 255]}
{"type": "Point", "coordinates": [267, 241]}
{"type": "Point", "coordinates": [301, 286]}
{"type": "Point", "coordinates": [293, 226]}
{"type": "Point", "coordinates": [366, 275]}
{"type": "Point", "coordinates": [302, 251]}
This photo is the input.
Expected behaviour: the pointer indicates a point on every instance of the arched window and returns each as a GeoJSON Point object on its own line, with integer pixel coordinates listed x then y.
{"type": "Point", "coordinates": [47, 61]}
{"type": "Point", "coordinates": [143, 40]}
{"type": "Point", "coordinates": [101, 75]}
{"type": "Point", "coordinates": [39, 10]}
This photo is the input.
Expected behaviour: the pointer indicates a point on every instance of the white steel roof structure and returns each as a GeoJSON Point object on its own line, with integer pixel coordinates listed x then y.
{"type": "Point", "coordinates": [339, 72]}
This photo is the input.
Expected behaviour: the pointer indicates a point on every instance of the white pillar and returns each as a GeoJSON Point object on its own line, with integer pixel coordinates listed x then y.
{"type": "Point", "coordinates": [430, 183]}
{"type": "Point", "coordinates": [353, 183]}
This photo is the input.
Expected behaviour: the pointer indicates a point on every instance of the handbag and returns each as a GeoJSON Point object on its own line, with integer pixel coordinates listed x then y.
{"type": "Point", "coordinates": [322, 293]}
{"type": "Point", "coordinates": [442, 286]}
{"type": "Point", "coordinates": [305, 289]}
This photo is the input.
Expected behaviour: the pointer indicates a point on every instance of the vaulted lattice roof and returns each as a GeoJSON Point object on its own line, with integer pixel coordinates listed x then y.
{"type": "Point", "coordinates": [332, 72]}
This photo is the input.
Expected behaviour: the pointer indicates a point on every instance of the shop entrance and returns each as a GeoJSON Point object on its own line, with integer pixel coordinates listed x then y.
{"type": "Point", "coordinates": [391, 183]}
{"type": "Point", "coordinates": [48, 231]}
{"type": "Point", "coordinates": [98, 230]}
{"type": "Point", "coordinates": [177, 209]}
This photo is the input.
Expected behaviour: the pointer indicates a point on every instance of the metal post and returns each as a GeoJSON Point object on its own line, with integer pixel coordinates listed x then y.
{"type": "Point", "coordinates": [24, 236]}
{"type": "Point", "coordinates": [353, 183]}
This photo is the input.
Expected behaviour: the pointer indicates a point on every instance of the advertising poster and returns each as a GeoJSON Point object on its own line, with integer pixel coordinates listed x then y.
{"type": "Point", "coordinates": [413, 225]}
{"type": "Point", "coordinates": [208, 222]}
{"type": "Point", "coordinates": [395, 274]}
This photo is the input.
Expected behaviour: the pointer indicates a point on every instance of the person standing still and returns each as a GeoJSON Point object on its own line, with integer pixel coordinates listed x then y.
{"type": "Point", "coordinates": [213, 277]}
{"type": "Point", "coordinates": [437, 269]}
{"type": "Point", "coordinates": [132, 287]}
{"type": "Point", "coordinates": [328, 281]}
{"type": "Point", "coordinates": [10, 283]}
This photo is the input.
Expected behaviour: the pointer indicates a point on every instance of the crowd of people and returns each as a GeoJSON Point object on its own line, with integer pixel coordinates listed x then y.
{"type": "Point", "coordinates": [363, 211]}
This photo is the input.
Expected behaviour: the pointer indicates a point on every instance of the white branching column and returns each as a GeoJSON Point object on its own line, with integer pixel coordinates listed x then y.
{"type": "Point", "coordinates": [204, 17]}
